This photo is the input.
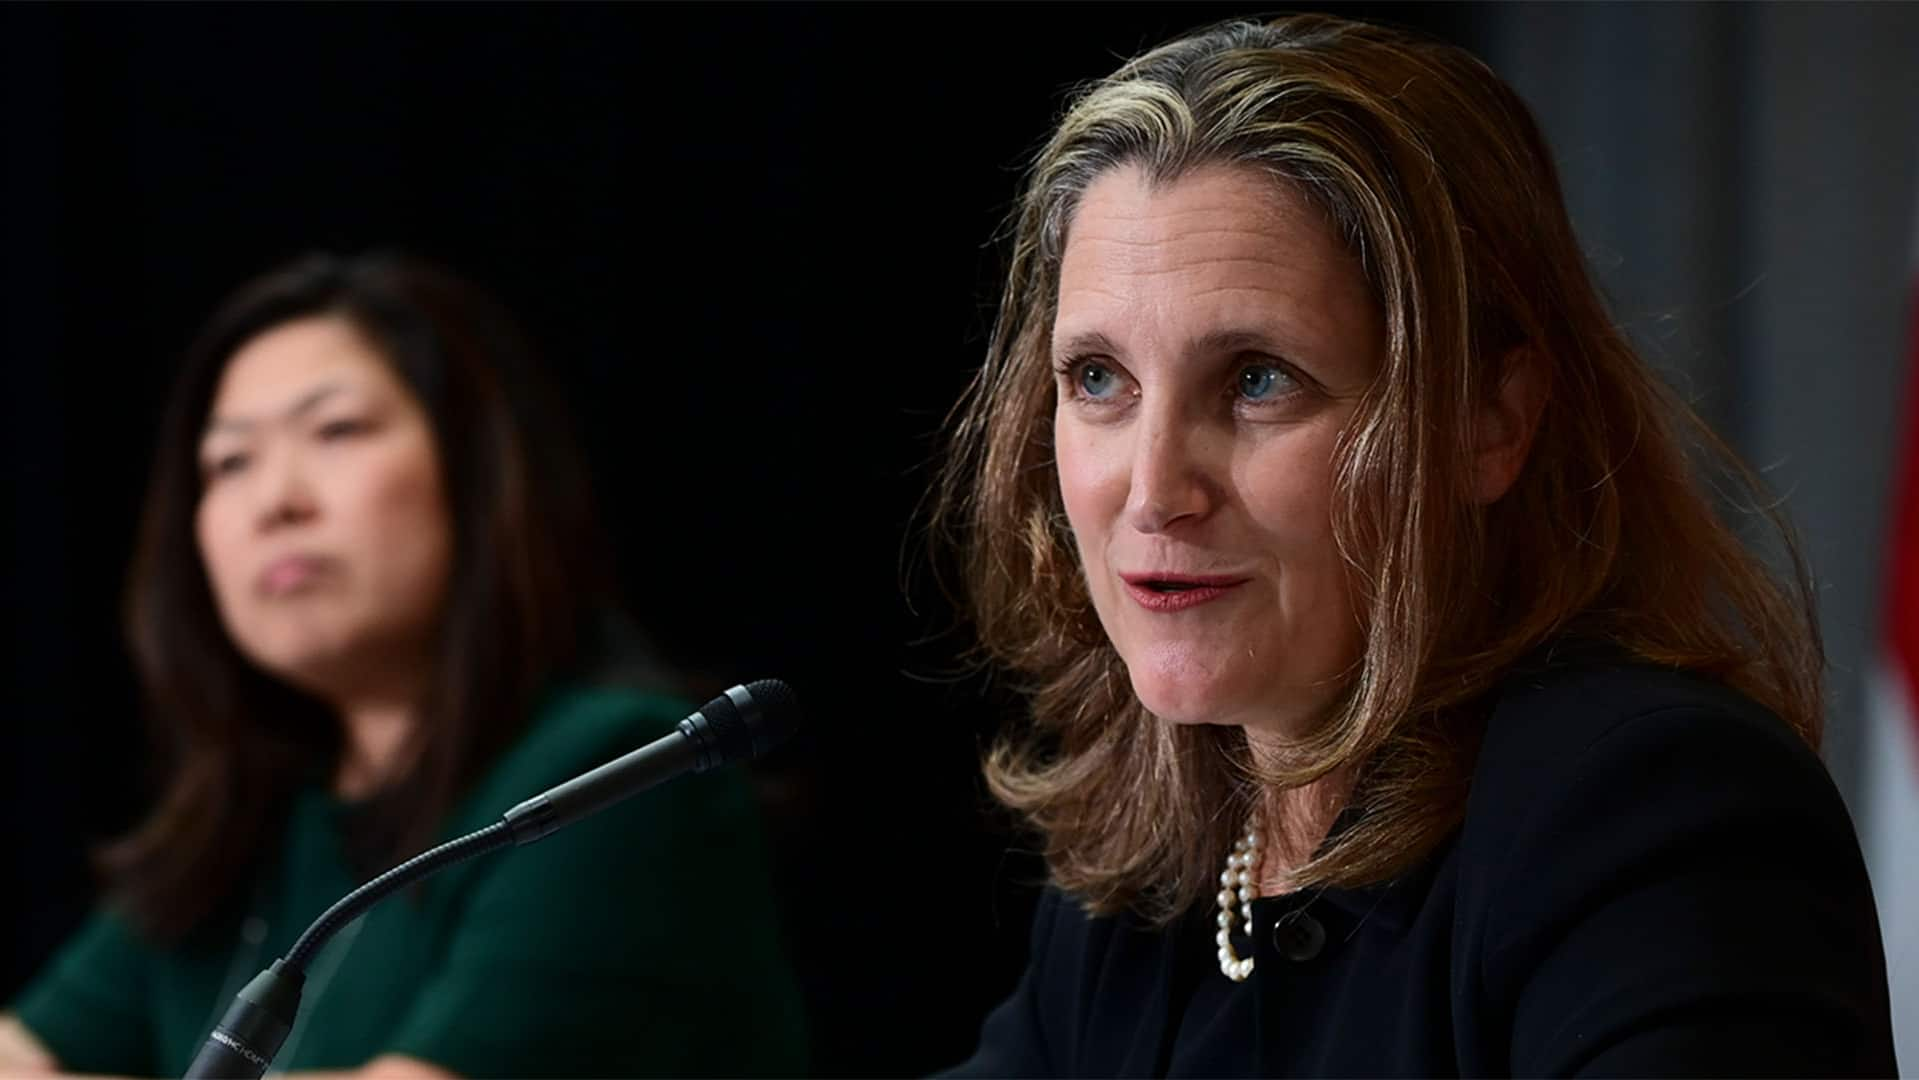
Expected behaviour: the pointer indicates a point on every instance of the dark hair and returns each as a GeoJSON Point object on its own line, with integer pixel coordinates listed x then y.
{"type": "Point", "coordinates": [529, 575]}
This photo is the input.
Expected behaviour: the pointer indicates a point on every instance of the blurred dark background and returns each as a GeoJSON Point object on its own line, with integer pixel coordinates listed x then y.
{"type": "Point", "coordinates": [756, 246]}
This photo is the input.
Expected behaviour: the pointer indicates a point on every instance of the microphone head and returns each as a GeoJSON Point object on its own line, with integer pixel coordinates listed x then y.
{"type": "Point", "coordinates": [747, 721]}
{"type": "Point", "coordinates": [777, 715]}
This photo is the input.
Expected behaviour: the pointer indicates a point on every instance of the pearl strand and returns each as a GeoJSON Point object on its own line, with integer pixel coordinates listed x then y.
{"type": "Point", "coordinates": [1237, 890]}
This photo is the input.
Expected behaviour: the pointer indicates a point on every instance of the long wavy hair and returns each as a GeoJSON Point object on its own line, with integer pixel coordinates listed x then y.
{"type": "Point", "coordinates": [529, 582]}
{"type": "Point", "coordinates": [1438, 179]}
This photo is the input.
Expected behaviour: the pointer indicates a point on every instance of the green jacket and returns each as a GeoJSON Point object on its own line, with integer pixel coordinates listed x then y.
{"type": "Point", "coordinates": [639, 941]}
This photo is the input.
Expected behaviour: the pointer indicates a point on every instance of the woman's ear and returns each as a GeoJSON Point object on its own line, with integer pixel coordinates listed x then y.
{"type": "Point", "coordinates": [1503, 430]}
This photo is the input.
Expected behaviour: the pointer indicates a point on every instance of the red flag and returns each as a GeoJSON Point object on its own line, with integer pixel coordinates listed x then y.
{"type": "Point", "coordinates": [1902, 578]}
{"type": "Point", "coordinates": [1890, 780]}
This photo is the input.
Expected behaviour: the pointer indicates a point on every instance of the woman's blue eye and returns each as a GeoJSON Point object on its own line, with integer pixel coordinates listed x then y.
{"type": "Point", "coordinates": [1095, 381]}
{"type": "Point", "coordinates": [1261, 382]}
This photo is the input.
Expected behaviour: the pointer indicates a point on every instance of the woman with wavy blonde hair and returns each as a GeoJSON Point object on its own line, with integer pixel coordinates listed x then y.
{"type": "Point", "coordinates": [1400, 704]}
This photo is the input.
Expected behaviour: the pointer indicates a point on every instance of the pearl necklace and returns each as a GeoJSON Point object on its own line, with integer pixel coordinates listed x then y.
{"type": "Point", "coordinates": [1237, 888]}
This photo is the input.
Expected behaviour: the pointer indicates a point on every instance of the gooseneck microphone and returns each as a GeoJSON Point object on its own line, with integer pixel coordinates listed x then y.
{"type": "Point", "coordinates": [742, 723]}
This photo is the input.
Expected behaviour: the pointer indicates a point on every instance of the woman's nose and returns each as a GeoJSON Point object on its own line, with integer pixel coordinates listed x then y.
{"type": "Point", "coordinates": [1172, 479]}
{"type": "Point", "coordinates": [284, 494]}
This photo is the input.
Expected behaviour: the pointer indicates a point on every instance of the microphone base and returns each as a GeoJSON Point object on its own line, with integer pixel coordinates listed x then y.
{"type": "Point", "coordinates": [245, 1040]}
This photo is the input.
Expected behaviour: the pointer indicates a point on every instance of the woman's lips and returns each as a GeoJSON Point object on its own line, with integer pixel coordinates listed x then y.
{"type": "Point", "coordinates": [291, 574]}
{"type": "Point", "coordinates": [1177, 592]}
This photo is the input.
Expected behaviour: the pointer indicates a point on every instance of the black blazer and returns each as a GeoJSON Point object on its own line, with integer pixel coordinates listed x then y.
{"type": "Point", "coordinates": [1654, 877]}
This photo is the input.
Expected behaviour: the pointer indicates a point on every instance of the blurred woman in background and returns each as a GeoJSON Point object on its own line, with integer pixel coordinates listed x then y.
{"type": "Point", "coordinates": [367, 608]}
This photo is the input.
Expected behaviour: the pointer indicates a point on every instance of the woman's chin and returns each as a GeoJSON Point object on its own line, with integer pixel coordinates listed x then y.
{"type": "Point", "coordinates": [1255, 700]}
{"type": "Point", "coordinates": [1183, 700]}
{"type": "Point", "coordinates": [317, 664]}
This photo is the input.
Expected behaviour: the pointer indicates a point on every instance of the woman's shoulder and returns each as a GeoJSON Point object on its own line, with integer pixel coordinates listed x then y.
{"type": "Point", "coordinates": [1555, 710]}
{"type": "Point", "coordinates": [1596, 764]}
{"type": "Point", "coordinates": [1645, 847]}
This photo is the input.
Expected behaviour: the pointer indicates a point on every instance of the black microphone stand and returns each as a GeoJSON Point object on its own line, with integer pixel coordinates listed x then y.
{"type": "Point", "coordinates": [244, 1042]}
{"type": "Point", "coordinates": [740, 724]}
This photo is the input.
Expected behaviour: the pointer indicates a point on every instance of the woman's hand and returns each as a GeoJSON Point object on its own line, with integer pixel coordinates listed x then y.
{"type": "Point", "coordinates": [384, 1067]}
{"type": "Point", "coordinates": [23, 1055]}
{"type": "Point", "coordinates": [20, 1052]}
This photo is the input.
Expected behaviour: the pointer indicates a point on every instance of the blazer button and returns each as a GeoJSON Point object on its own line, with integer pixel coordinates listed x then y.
{"type": "Point", "coordinates": [1298, 936]}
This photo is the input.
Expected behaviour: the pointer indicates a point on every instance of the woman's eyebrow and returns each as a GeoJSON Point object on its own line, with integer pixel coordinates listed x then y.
{"type": "Point", "coordinates": [1237, 340]}
{"type": "Point", "coordinates": [1085, 342]}
{"type": "Point", "coordinates": [306, 403]}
